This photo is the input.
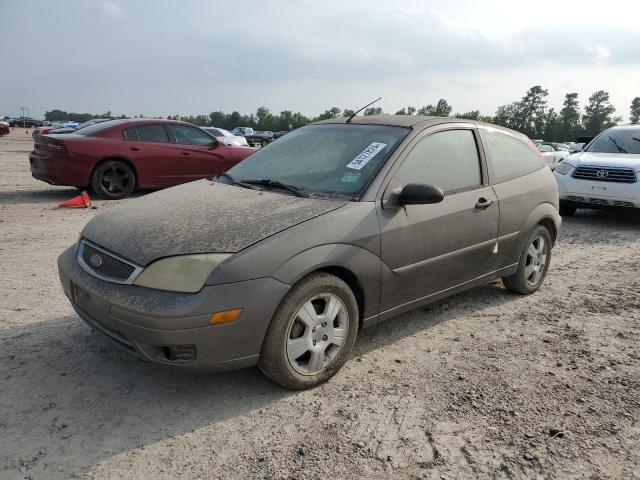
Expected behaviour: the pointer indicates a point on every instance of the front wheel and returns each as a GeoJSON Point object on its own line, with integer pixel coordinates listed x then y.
{"type": "Point", "coordinates": [311, 334]}
{"type": "Point", "coordinates": [533, 265]}
{"type": "Point", "coordinates": [113, 179]}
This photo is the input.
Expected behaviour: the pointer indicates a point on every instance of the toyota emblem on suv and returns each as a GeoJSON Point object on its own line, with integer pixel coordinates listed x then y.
{"type": "Point", "coordinates": [602, 173]}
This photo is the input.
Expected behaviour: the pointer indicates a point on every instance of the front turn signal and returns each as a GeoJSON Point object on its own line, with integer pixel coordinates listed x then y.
{"type": "Point", "coordinates": [221, 318]}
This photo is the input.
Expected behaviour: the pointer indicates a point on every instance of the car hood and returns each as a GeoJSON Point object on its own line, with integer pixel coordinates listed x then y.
{"type": "Point", "coordinates": [629, 160]}
{"type": "Point", "coordinates": [199, 217]}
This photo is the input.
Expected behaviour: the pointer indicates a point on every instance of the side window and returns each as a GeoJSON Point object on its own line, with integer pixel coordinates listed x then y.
{"type": "Point", "coordinates": [447, 159]}
{"type": "Point", "coordinates": [130, 133]}
{"type": "Point", "coordinates": [508, 157]}
{"type": "Point", "coordinates": [545, 148]}
{"type": "Point", "coordinates": [152, 133]}
{"type": "Point", "coordinates": [186, 135]}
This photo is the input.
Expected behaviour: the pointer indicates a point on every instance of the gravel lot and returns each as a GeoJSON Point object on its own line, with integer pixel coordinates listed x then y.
{"type": "Point", "coordinates": [483, 385]}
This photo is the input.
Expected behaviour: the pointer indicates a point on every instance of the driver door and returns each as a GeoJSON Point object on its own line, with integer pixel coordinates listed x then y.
{"type": "Point", "coordinates": [434, 247]}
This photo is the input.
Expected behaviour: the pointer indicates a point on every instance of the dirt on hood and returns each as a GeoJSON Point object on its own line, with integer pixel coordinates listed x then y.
{"type": "Point", "coordinates": [199, 217]}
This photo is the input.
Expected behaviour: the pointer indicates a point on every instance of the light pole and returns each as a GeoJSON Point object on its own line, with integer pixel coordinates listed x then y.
{"type": "Point", "coordinates": [24, 120]}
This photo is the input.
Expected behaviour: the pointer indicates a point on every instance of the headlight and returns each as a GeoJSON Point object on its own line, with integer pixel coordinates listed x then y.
{"type": "Point", "coordinates": [563, 168]}
{"type": "Point", "coordinates": [184, 273]}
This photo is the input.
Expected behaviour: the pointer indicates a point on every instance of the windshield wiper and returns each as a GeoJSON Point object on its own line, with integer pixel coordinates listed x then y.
{"type": "Point", "coordinates": [620, 149]}
{"type": "Point", "coordinates": [235, 181]}
{"type": "Point", "coordinates": [277, 183]}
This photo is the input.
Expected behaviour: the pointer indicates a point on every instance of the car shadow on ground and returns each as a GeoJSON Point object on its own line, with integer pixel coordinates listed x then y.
{"type": "Point", "coordinates": [601, 227]}
{"type": "Point", "coordinates": [52, 196]}
{"type": "Point", "coordinates": [67, 389]}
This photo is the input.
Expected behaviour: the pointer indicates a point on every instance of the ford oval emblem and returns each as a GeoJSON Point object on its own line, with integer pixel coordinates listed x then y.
{"type": "Point", "coordinates": [95, 260]}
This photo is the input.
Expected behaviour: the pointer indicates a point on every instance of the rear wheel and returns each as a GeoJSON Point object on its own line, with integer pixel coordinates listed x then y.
{"type": "Point", "coordinates": [311, 334]}
{"type": "Point", "coordinates": [113, 179]}
{"type": "Point", "coordinates": [567, 210]}
{"type": "Point", "coordinates": [533, 265]}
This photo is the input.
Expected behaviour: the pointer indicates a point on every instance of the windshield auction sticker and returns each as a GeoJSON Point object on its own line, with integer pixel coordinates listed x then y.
{"type": "Point", "coordinates": [367, 154]}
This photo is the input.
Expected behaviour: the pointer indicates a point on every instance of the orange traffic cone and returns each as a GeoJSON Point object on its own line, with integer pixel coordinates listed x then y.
{"type": "Point", "coordinates": [81, 201]}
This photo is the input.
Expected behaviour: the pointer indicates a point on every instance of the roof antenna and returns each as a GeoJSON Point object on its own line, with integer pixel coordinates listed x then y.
{"type": "Point", "coordinates": [358, 111]}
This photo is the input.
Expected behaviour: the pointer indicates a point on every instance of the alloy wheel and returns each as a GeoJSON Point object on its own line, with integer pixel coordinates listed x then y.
{"type": "Point", "coordinates": [115, 180]}
{"type": "Point", "coordinates": [536, 260]}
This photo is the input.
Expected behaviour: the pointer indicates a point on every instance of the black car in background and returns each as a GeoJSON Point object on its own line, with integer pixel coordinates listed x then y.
{"type": "Point", "coordinates": [25, 122]}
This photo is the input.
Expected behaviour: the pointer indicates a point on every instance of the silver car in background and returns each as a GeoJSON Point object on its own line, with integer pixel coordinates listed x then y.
{"type": "Point", "coordinates": [226, 137]}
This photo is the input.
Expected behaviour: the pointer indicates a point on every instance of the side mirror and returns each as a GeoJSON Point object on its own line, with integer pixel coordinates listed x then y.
{"type": "Point", "coordinates": [420, 194]}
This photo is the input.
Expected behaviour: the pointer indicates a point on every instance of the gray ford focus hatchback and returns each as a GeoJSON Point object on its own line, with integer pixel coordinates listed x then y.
{"type": "Point", "coordinates": [334, 227]}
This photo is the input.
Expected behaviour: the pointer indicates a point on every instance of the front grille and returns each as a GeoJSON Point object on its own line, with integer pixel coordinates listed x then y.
{"type": "Point", "coordinates": [105, 265]}
{"type": "Point", "coordinates": [605, 174]}
{"type": "Point", "coordinates": [600, 201]}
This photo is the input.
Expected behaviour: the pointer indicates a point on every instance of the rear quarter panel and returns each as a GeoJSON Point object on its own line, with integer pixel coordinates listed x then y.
{"type": "Point", "coordinates": [524, 202]}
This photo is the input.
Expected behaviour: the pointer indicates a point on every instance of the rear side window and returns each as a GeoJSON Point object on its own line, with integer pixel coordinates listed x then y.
{"type": "Point", "coordinates": [152, 133]}
{"type": "Point", "coordinates": [508, 157]}
{"type": "Point", "coordinates": [130, 133]}
{"type": "Point", "coordinates": [146, 133]}
{"type": "Point", "coordinates": [447, 159]}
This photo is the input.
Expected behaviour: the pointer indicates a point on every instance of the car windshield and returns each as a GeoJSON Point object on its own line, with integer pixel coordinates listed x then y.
{"type": "Point", "coordinates": [616, 140]}
{"type": "Point", "coordinates": [324, 160]}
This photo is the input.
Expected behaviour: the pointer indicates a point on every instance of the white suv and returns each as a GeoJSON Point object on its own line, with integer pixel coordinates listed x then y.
{"type": "Point", "coordinates": [604, 174]}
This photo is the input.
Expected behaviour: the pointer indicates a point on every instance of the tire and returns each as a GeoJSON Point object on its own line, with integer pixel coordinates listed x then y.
{"type": "Point", "coordinates": [301, 348]}
{"type": "Point", "coordinates": [567, 210]}
{"type": "Point", "coordinates": [113, 179]}
{"type": "Point", "coordinates": [533, 264]}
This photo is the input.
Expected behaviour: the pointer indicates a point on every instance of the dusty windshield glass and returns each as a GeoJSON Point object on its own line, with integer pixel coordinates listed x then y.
{"type": "Point", "coordinates": [330, 159]}
{"type": "Point", "coordinates": [621, 140]}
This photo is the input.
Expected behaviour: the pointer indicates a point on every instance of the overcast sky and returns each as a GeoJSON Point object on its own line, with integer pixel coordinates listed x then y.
{"type": "Point", "coordinates": [164, 57]}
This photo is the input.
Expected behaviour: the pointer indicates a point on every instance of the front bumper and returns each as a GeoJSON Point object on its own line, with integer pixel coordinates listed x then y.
{"type": "Point", "coordinates": [594, 194]}
{"type": "Point", "coordinates": [172, 328]}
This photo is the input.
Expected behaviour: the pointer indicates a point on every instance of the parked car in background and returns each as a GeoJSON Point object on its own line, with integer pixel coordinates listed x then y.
{"type": "Point", "coordinates": [604, 174]}
{"type": "Point", "coordinates": [279, 134]}
{"type": "Point", "coordinates": [25, 122]}
{"type": "Point", "coordinates": [551, 153]}
{"type": "Point", "coordinates": [117, 156]}
{"type": "Point", "coordinates": [242, 131]}
{"type": "Point", "coordinates": [334, 227]}
{"type": "Point", "coordinates": [577, 147]}
{"type": "Point", "coordinates": [4, 128]}
{"type": "Point", "coordinates": [226, 137]}
{"type": "Point", "coordinates": [253, 138]}
{"type": "Point", "coordinates": [67, 127]}
{"type": "Point", "coordinates": [260, 138]}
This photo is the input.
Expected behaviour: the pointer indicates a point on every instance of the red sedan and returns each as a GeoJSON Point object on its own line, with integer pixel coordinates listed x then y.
{"type": "Point", "coordinates": [118, 156]}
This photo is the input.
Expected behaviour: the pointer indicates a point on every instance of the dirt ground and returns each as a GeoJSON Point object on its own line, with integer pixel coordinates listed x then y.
{"type": "Point", "coordinates": [486, 384]}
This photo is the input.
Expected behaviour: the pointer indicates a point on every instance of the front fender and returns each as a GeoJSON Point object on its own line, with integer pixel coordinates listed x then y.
{"type": "Point", "coordinates": [362, 264]}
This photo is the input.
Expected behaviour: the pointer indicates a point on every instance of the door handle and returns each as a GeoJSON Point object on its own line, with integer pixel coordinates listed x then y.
{"type": "Point", "coordinates": [483, 203]}
{"type": "Point", "coordinates": [185, 153]}
{"type": "Point", "coordinates": [135, 149]}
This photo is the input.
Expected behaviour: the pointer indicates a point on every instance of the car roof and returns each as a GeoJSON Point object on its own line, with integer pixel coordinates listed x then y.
{"type": "Point", "coordinates": [413, 121]}
{"type": "Point", "coordinates": [628, 126]}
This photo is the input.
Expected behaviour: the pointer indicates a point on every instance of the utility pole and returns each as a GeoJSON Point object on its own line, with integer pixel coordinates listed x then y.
{"type": "Point", "coordinates": [24, 121]}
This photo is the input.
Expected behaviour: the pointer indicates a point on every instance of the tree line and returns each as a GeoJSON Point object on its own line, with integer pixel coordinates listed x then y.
{"type": "Point", "coordinates": [529, 115]}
